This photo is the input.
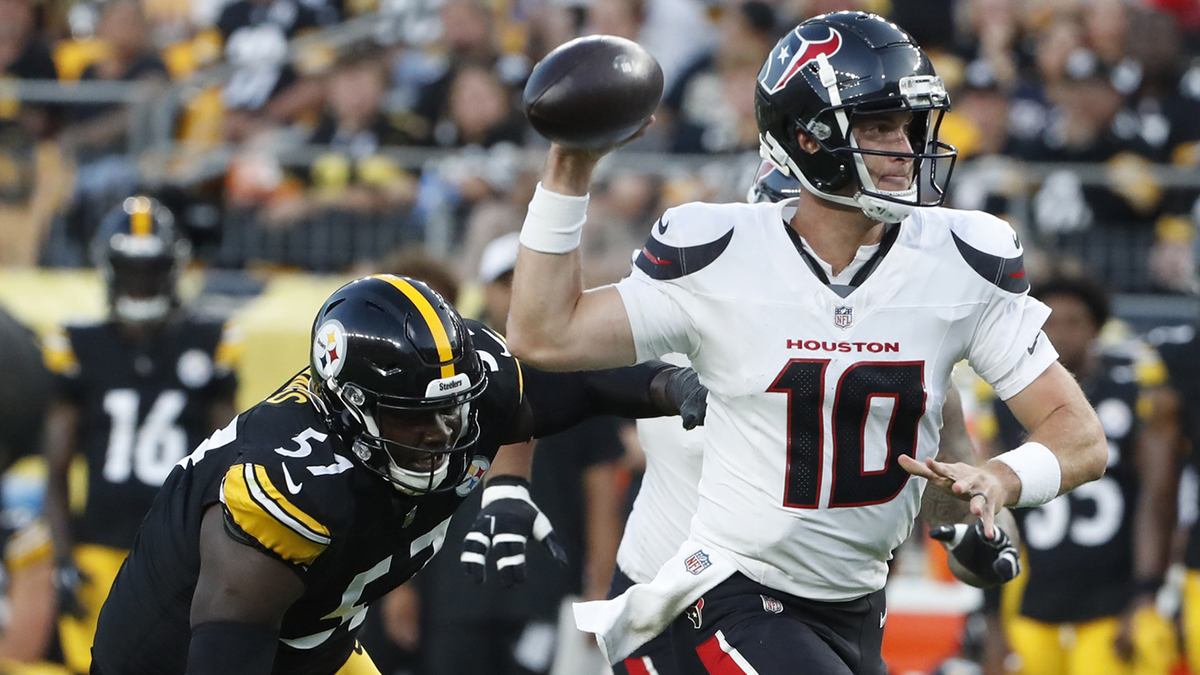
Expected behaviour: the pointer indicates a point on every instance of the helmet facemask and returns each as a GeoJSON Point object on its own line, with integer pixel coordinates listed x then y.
{"type": "Point", "coordinates": [142, 289]}
{"type": "Point", "coordinates": [411, 469]}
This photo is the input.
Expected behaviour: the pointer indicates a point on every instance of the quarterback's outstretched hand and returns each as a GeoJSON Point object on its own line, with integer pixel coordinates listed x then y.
{"type": "Point", "coordinates": [982, 487]}
{"type": "Point", "coordinates": [67, 582]}
{"type": "Point", "coordinates": [994, 561]}
{"type": "Point", "coordinates": [503, 527]}
{"type": "Point", "coordinates": [686, 392]}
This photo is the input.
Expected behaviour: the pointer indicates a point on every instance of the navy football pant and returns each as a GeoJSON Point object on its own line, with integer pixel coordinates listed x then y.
{"type": "Point", "coordinates": [744, 628]}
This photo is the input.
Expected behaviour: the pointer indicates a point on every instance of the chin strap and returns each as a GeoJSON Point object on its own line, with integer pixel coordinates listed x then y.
{"type": "Point", "coordinates": [874, 207]}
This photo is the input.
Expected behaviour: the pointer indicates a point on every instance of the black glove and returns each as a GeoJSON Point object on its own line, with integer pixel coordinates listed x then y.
{"type": "Point", "coordinates": [506, 520]}
{"type": "Point", "coordinates": [685, 391]}
{"type": "Point", "coordinates": [995, 561]}
{"type": "Point", "coordinates": [67, 582]}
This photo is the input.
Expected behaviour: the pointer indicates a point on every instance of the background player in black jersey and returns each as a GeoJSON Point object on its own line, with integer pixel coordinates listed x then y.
{"type": "Point", "coordinates": [1179, 347]}
{"type": "Point", "coordinates": [1097, 556]}
{"type": "Point", "coordinates": [134, 394]}
{"type": "Point", "coordinates": [266, 545]}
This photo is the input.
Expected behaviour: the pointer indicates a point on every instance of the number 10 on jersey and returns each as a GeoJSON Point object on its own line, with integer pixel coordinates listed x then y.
{"type": "Point", "coordinates": [849, 418]}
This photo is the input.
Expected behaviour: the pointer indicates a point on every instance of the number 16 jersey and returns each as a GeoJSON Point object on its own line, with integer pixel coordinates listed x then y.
{"type": "Point", "coordinates": [815, 388]}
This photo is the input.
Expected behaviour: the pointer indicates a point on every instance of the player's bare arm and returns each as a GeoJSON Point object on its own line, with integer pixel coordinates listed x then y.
{"type": "Point", "coordinates": [240, 599]}
{"type": "Point", "coordinates": [1058, 417]}
{"type": "Point", "coordinates": [1159, 452]}
{"type": "Point", "coordinates": [553, 323]}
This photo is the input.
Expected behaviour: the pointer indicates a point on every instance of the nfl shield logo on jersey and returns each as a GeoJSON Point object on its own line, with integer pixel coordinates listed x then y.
{"type": "Point", "coordinates": [697, 562]}
{"type": "Point", "coordinates": [843, 317]}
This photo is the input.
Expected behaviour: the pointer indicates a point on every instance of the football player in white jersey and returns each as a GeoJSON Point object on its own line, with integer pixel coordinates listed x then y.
{"type": "Point", "coordinates": [667, 498]}
{"type": "Point", "coordinates": [825, 329]}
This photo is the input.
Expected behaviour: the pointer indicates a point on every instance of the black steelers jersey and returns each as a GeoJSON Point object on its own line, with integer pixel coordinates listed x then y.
{"type": "Point", "coordinates": [1179, 347]}
{"type": "Point", "coordinates": [1080, 545]}
{"type": "Point", "coordinates": [292, 489]}
{"type": "Point", "coordinates": [143, 406]}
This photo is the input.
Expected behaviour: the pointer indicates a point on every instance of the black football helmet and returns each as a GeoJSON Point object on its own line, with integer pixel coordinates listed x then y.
{"type": "Point", "coordinates": [389, 353]}
{"type": "Point", "coordinates": [772, 185]}
{"type": "Point", "coordinates": [140, 253]}
{"type": "Point", "coordinates": [823, 74]}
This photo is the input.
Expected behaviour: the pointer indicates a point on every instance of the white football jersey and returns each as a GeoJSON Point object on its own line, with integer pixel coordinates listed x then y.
{"type": "Point", "coordinates": [667, 499]}
{"type": "Point", "coordinates": [812, 396]}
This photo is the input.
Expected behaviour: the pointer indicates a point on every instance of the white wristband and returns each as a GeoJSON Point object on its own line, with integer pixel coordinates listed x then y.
{"type": "Point", "coordinates": [1039, 472]}
{"type": "Point", "coordinates": [554, 222]}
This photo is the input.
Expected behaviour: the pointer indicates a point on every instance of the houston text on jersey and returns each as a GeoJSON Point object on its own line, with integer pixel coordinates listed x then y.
{"type": "Point", "coordinates": [846, 347]}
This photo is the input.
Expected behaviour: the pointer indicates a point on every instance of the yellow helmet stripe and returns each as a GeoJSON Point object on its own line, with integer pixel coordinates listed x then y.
{"type": "Point", "coordinates": [440, 337]}
{"type": "Point", "coordinates": [140, 224]}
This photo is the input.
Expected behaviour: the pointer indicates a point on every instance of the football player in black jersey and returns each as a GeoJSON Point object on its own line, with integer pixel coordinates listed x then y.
{"type": "Point", "coordinates": [134, 394]}
{"type": "Point", "coordinates": [1097, 556]}
{"type": "Point", "coordinates": [266, 545]}
{"type": "Point", "coordinates": [1180, 350]}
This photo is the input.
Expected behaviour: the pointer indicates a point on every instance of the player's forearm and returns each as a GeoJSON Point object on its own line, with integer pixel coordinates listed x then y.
{"type": "Point", "coordinates": [1157, 463]}
{"type": "Point", "coordinates": [1073, 433]}
{"type": "Point", "coordinates": [602, 528]}
{"type": "Point", "coordinates": [231, 648]}
{"type": "Point", "coordinates": [515, 459]}
{"type": "Point", "coordinates": [58, 516]}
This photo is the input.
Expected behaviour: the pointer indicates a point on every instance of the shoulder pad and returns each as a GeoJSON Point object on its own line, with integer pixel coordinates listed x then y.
{"type": "Point", "coordinates": [989, 246]}
{"type": "Point", "coordinates": [297, 391]}
{"type": "Point", "coordinates": [688, 238]}
{"type": "Point", "coordinates": [28, 545]}
{"type": "Point", "coordinates": [229, 348]}
{"type": "Point", "coordinates": [506, 381]}
{"type": "Point", "coordinates": [58, 354]}
{"type": "Point", "coordinates": [1164, 336]}
{"type": "Point", "coordinates": [263, 512]}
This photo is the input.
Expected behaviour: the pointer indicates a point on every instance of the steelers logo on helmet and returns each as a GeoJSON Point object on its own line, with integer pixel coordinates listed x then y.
{"type": "Point", "coordinates": [329, 348]}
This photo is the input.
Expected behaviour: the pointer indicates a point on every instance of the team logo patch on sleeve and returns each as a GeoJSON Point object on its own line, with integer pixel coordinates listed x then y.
{"type": "Point", "coordinates": [697, 562]}
{"type": "Point", "coordinates": [329, 348]}
{"type": "Point", "coordinates": [1006, 273]}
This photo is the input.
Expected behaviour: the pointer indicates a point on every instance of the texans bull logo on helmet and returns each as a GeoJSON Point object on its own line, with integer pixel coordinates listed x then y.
{"type": "Point", "coordinates": [783, 64]}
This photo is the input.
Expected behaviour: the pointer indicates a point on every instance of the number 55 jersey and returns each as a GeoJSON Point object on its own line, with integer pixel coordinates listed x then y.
{"type": "Point", "coordinates": [818, 382]}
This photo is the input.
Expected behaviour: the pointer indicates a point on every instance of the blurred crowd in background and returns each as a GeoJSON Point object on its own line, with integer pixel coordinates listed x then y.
{"type": "Point", "coordinates": [353, 136]}
{"type": "Point", "coordinates": [319, 135]}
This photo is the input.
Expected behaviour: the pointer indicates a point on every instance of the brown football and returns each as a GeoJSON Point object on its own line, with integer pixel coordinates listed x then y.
{"type": "Point", "coordinates": [593, 92]}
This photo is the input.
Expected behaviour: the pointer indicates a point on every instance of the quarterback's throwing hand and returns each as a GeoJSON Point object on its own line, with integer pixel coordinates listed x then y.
{"type": "Point", "coordinates": [995, 560]}
{"type": "Point", "coordinates": [504, 524]}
